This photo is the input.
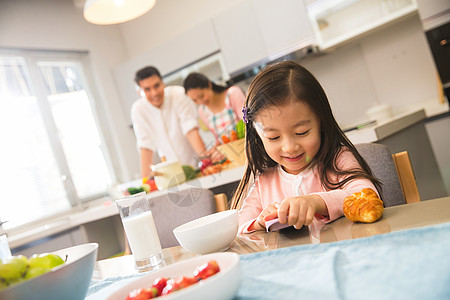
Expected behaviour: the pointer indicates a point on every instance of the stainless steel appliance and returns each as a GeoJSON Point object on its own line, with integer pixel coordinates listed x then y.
{"type": "Point", "coordinates": [435, 17]}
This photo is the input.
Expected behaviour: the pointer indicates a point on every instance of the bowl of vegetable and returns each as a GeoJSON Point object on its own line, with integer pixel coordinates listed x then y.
{"type": "Point", "coordinates": [63, 274]}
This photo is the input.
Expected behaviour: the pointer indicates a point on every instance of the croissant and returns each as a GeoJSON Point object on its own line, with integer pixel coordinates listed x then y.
{"type": "Point", "coordinates": [364, 206]}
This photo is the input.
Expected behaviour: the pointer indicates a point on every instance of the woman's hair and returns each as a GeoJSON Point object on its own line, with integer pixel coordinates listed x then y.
{"type": "Point", "coordinates": [276, 85]}
{"type": "Point", "coordinates": [146, 73]}
{"type": "Point", "coordinates": [200, 81]}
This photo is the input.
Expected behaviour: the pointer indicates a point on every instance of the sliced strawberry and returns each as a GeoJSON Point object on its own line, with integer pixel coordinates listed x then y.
{"type": "Point", "coordinates": [159, 284]}
{"type": "Point", "coordinates": [170, 287]}
{"type": "Point", "coordinates": [208, 269]}
{"type": "Point", "coordinates": [142, 294]}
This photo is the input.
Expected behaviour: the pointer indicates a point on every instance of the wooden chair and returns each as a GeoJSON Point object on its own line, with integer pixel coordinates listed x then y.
{"type": "Point", "coordinates": [394, 171]}
{"type": "Point", "coordinates": [406, 176]}
{"type": "Point", "coordinates": [221, 202]}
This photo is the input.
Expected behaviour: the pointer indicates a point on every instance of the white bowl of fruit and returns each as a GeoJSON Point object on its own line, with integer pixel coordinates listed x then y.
{"type": "Point", "coordinates": [63, 274]}
{"type": "Point", "coordinates": [214, 276]}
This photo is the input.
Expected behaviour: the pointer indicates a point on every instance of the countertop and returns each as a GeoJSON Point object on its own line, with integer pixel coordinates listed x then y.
{"type": "Point", "coordinates": [107, 208]}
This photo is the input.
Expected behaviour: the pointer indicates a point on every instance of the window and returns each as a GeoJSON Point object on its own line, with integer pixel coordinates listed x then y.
{"type": "Point", "coordinates": [53, 157]}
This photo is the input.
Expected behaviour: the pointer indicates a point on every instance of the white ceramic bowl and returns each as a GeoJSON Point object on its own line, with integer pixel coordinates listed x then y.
{"type": "Point", "coordinates": [68, 281]}
{"type": "Point", "coordinates": [220, 286]}
{"type": "Point", "coordinates": [211, 233]}
{"type": "Point", "coordinates": [171, 174]}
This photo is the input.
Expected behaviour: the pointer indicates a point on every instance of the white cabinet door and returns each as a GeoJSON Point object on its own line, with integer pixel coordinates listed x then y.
{"type": "Point", "coordinates": [256, 30]}
{"type": "Point", "coordinates": [239, 36]}
{"type": "Point", "coordinates": [284, 24]}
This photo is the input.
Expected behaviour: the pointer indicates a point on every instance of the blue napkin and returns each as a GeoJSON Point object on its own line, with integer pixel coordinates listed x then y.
{"type": "Point", "coordinates": [411, 264]}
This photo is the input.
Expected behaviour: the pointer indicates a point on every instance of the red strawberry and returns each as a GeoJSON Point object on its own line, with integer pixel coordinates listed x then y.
{"type": "Point", "coordinates": [142, 294]}
{"type": "Point", "coordinates": [208, 269]}
{"type": "Point", "coordinates": [171, 286]}
{"type": "Point", "coordinates": [186, 281]}
{"type": "Point", "coordinates": [159, 284]}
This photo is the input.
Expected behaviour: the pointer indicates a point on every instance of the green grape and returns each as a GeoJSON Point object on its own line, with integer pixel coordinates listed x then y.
{"type": "Point", "coordinates": [45, 260]}
{"type": "Point", "coordinates": [36, 271]}
{"type": "Point", "coordinates": [13, 268]}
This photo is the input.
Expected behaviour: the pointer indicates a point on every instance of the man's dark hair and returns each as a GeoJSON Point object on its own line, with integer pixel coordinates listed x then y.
{"type": "Point", "coordinates": [146, 73]}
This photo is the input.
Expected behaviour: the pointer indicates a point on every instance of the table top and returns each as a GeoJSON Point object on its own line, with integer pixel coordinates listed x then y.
{"type": "Point", "coordinates": [396, 218]}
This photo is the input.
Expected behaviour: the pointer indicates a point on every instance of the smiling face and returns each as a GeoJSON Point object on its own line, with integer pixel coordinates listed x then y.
{"type": "Point", "coordinates": [201, 96]}
{"type": "Point", "coordinates": [153, 88]}
{"type": "Point", "coordinates": [290, 134]}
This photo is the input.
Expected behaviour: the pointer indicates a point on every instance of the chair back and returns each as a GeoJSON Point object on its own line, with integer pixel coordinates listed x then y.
{"type": "Point", "coordinates": [380, 162]}
{"type": "Point", "coordinates": [176, 207]}
{"type": "Point", "coordinates": [406, 176]}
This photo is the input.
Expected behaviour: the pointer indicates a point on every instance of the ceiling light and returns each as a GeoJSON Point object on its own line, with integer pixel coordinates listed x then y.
{"type": "Point", "coordinates": [106, 12]}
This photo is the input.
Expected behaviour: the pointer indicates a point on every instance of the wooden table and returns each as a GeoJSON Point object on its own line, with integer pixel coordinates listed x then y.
{"type": "Point", "coordinates": [395, 218]}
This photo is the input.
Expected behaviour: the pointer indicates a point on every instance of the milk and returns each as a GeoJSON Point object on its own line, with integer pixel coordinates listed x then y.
{"type": "Point", "coordinates": [142, 235]}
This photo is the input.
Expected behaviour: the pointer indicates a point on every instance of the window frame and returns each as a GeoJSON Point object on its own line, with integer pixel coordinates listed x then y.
{"type": "Point", "coordinates": [32, 59]}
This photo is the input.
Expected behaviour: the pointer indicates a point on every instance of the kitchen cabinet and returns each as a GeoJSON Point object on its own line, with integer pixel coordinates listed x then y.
{"type": "Point", "coordinates": [257, 30]}
{"type": "Point", "coordinates": [239, 36]}
{"type": "Point", "coordinates": [212, 67]}
{"type": "Point", "coordinates": [338, 21]}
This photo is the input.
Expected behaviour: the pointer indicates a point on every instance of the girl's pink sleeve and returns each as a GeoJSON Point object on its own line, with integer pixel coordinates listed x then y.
{"type": "Point", "coordinates": [237, 100]}
{"type": "Point", "coordinates": [334, 200]}
{"type": "Point", "coordinates": [250, 210]}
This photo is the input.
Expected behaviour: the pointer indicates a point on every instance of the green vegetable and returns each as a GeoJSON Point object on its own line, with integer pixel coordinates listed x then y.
{"type": "Point", "coordinates": [189, 172]}
{"type": "Point", "coordinates": [240, 129]}
{"type": "Point", "coordinates": [134, 190]}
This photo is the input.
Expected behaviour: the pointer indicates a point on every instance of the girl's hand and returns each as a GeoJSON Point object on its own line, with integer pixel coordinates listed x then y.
{"type": "Point", "coordinates": [300, 210]}
{"type": "Point", "coordinates": [260, 223]}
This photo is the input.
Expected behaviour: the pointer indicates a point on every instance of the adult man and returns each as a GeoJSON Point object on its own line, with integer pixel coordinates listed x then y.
{"type": "Point", "coordinates": [164, 120]}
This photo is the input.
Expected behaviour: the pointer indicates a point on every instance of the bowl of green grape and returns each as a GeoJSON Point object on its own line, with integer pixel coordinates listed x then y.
{"type": "Point", "coordinates": [63, 274]}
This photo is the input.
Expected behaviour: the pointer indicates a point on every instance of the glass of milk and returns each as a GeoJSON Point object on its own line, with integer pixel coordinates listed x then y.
{"type": "Point", "coordinates": [140, 229]}
{"type": "Point", "coordinates": [5, 252]}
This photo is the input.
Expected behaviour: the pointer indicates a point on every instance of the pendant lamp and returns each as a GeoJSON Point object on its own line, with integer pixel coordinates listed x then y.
{"type": "Point", "coordinates": [107, 12]}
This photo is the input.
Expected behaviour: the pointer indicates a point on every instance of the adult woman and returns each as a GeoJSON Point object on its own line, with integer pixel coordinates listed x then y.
{"type": "Point", "coordinates": [219, 107]}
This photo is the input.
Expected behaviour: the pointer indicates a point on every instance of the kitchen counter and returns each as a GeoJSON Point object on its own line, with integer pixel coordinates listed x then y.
{"type": "Point", "coordinates": [107, 208]}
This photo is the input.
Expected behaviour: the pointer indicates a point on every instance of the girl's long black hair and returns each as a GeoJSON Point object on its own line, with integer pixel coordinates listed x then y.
{"type": "Point", "coordinates": [274, 86]}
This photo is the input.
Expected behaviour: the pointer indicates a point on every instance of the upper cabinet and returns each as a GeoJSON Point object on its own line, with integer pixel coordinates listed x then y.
{"type": "Point", "coordinates": [338, 21]}
{"type": "Point", "coordinates": [256, 30]}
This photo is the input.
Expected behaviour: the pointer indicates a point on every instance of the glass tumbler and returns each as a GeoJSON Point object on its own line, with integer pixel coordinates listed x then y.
{"type": "Point", "coordinates": [140, 229]}
{"type": "Point", "coordinates": [5, 252]}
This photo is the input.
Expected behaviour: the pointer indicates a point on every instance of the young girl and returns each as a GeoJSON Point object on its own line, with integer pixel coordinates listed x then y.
{"type": "Point", "coordinates": [219, 107]}
{"type": "Point", "coordinates": [302, 164]}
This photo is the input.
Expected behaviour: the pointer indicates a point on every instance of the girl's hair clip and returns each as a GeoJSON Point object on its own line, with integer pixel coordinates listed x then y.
{"type": "Point", "coordinates": [245, 113]}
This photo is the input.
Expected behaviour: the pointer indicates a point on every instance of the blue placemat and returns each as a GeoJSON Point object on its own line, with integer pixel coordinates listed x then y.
{"type": "Point", "coordinates": [410, 264]}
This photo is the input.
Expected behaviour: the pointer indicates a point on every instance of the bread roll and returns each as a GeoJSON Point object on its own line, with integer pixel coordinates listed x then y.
{"type": "Point", "coordinates": [364, 206]}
